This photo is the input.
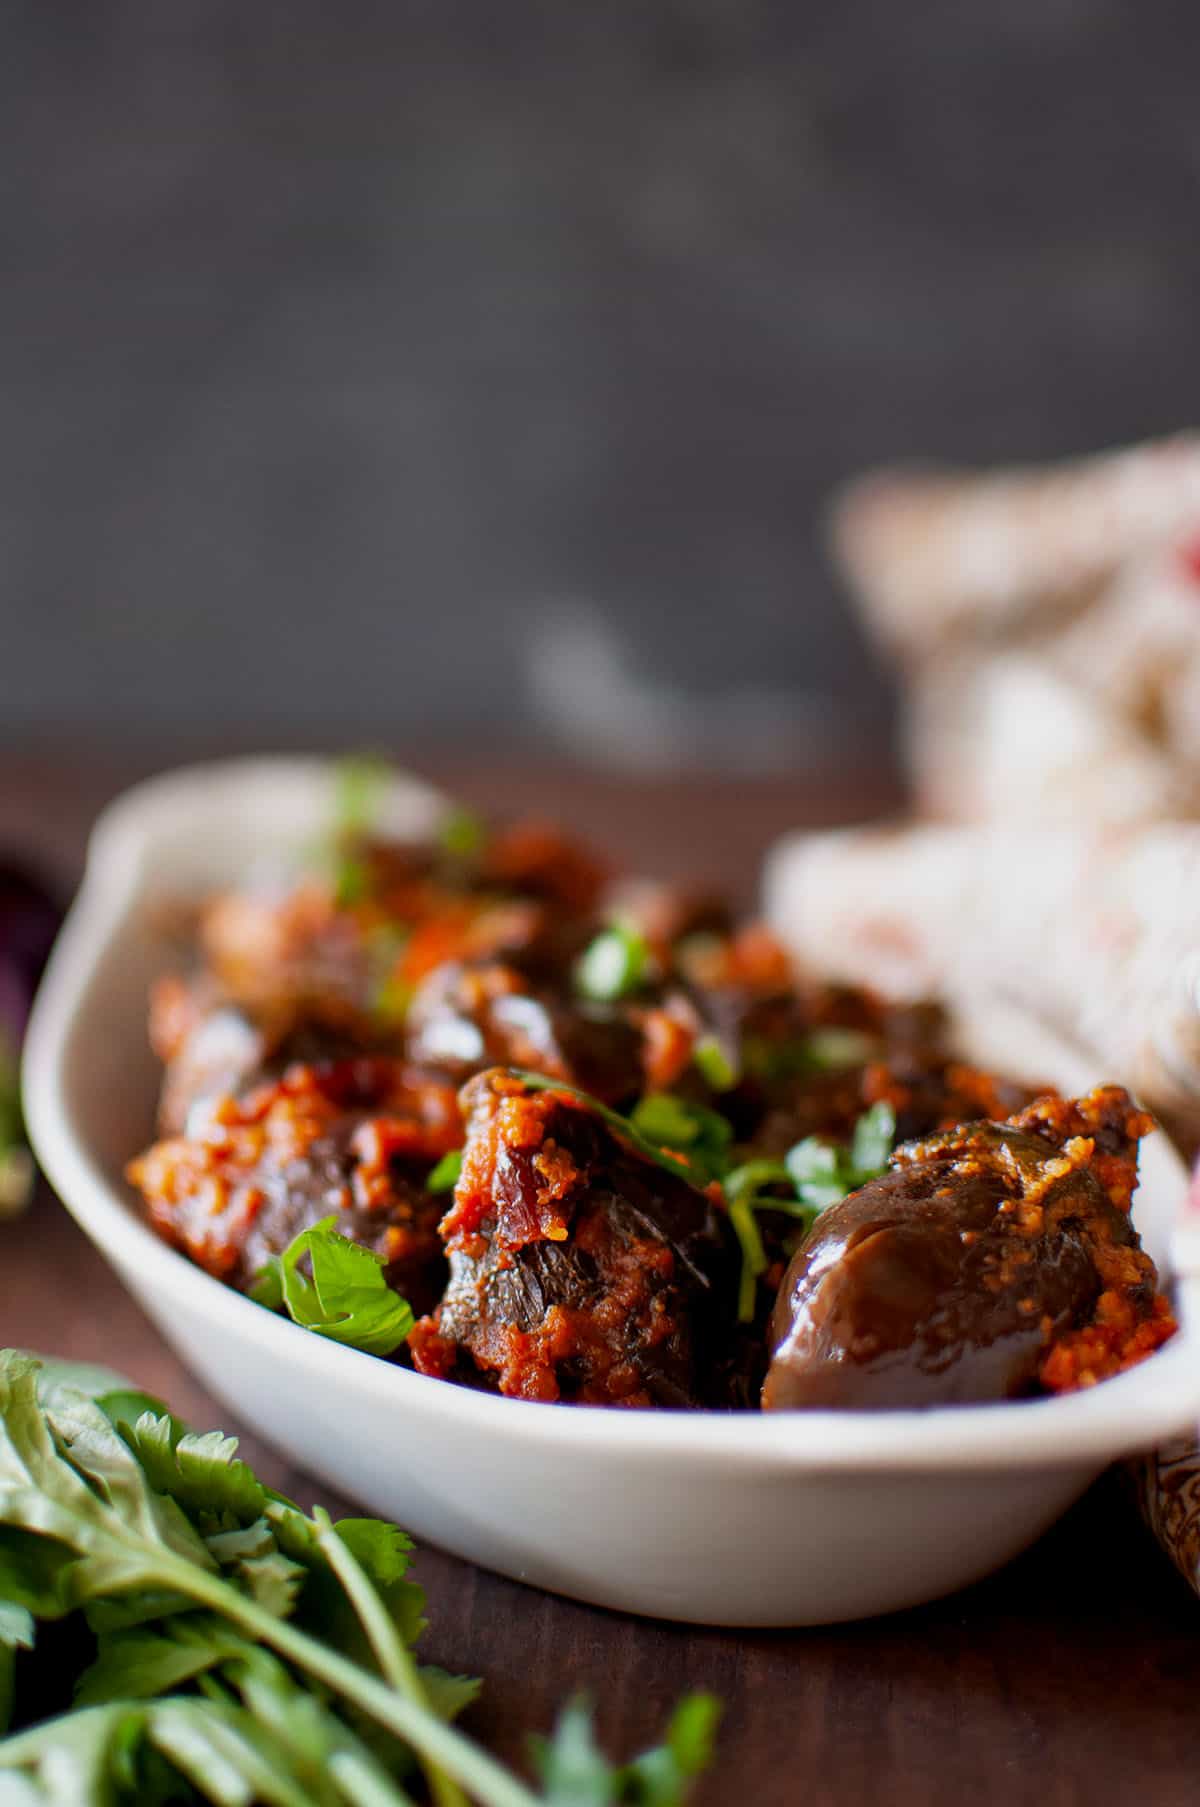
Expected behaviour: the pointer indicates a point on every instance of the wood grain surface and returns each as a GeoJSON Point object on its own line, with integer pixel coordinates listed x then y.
{"type": "Point", "coordinates": [1072, 1677]}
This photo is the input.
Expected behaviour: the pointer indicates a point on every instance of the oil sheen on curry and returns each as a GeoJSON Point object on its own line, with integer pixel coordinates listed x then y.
{"type": "Point", "coordinates": [488, 1112]}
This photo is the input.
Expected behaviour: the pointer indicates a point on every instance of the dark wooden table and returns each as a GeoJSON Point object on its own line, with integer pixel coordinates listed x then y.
{"type": "Point", "coordinates": [1073, 1677]}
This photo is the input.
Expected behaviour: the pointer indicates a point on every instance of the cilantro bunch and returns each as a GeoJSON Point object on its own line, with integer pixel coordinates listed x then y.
{"type": "Point", "coordinates": [239, 1649]}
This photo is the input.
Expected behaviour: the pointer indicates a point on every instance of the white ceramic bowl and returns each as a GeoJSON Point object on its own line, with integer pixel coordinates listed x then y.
{"type": "Point", "coordinates": [783, 1519]}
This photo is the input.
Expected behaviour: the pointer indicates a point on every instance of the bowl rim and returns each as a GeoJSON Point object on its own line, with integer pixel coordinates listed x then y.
{"type": "Point", "coordinates": [1134, 1410]}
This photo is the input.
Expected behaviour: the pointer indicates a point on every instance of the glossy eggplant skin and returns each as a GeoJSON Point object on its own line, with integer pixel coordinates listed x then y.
{"type": "Point", "coordinates": [949, 1278]}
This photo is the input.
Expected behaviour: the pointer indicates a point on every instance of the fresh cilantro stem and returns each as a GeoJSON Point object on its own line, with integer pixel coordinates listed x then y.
{"type": "Point", "coordinates": [392, 1654]}
{"type": "Point", "coordinates": [434, 1742]}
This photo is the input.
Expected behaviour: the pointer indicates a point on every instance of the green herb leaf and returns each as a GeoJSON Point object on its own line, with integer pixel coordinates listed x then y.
{"type": "Point", "coordinates": [874, 1133]}
{"type": "Point", "coordinates": [266, 1288]}
{"type": "Point", "coordinates": [824, 1172]}
{"type": "Point", "coordinates": [361, 784]}
{"type": "Point", "coordinates": [712, 1059]}
{"type": "Point", "coordinates": [575, 1772]}
{"type": "Point", "coordinates": [207, 1676]}
{"type": "Point", "coordinates": [754, 1256]}
{"type": "Point", "coordinates": [701, 1134]}
{"type": "Point", "coordinates": [444, 1177]}
{"type": "Point", "coordinates": [201, 1473]}
{"type": "Point", "coordinates": [351, 882]}
{"type": "Point", "coordinates": [461, 834]}
{"type": "Point", "coordinates": [612, 965]}
{"type": "Point", "coordinates": [662, 1777]}
{"type": "Point", "coordinates": [833, 1048]}
{"type": "Point", "coordinates": [347, 1298]}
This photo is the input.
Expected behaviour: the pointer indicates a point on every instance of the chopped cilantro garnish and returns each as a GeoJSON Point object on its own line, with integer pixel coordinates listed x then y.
{"type": "Point", "coordinates": [461, 834]}
{"type": "Point", "coordinates": [813, 1175]}
{"type": "Point", "coordinates": [444, 1177]}
{"type": "Point", "coordinates": [701, 1134]}
{"type": "Point", "coordinates": [754, 1256]}
{"type": "Point", "coordinates": [824, 1172]}
{"type": "Point", "coordinates": [612, 965]}
{"type": "Point", "coordinates": [833, 1047]}
{"type": "Point", "coordinates": [712, 1058]}
{"type": "Point", "coordinates": [830, 1049]}
{"type": "Point", "coordinates": [360, 786]}
{"type": "Point", "coordinates": [347, 1299]}
{"type": "Point", "coordinates": [391, 1000]}
{"type": "Point", "coordinates": [351, 881]}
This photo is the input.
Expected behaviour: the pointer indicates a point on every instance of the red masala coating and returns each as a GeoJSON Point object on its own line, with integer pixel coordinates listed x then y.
{"type": "Point", "coordinates": [313, 1060]}
{"type": "Point", "coordinates": [353, 1138]}
{"type": "Point", "coordinates": [578, 1269]}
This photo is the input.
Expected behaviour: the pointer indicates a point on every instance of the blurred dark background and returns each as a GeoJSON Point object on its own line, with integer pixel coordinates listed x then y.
{"type": "Point", "coordinates": [477, 372]}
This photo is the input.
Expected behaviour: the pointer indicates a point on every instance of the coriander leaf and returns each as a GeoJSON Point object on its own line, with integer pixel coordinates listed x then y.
{"type": "Point", "coordinates": [701, 1134]}
{"type": "Point", "coordinates": [661, 1777]}
{"type": "Point", "coordinates": [347, 1299]}
{"type": "Point", "coordinates": [612, 965]}
{"type": "Point", "coordinates": [71, 1761]}
{"type": "Point", "coordinates": [361, 783]}
{"type": "Point", "coordinates": [573, 1770]}
{"type": "Point", "coordinates": [444, 1177]}
{"type": "Point", "coordinates": [203, 1473]}
{"type": "Point", "coordinates": [266, 1288]}
{"type": "Point", "coordinates": [461, 833]}
{"type": "Point", "coordinates": [351, 882]}
{"type": "Point", "coordinates": [754, 1256]}
{"type": "Point", "coordinates": [229, 1757]}
{"type": "Point", "coordinates": [824, 1172]}
{"type": "Point", "coordinates": [16, 1633]}
{"type": "Point", "coordinates": [272, 1581]}
{"type": "Point", "coordinates": [448, 1695]}
{"type": "Point", "coordinates": [143, 1661]}
{"type": "Point", "coordinates": [382, 1551]}
{"type": "Point", "coordinates": [36, 1573]}
{"type": "Point", "coordinates": [833, 1048]}
{"type": "Point", "coordinates": [83, 1377]}
{"type": "Point", "coordinates": [742, 1188]}
{"type": "Point", "coordinates": [712, 1059]}
{"type": "Point", "coordinates": [65, 1473]}
{"type": "Point", "coordinates": [874, 1133]}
